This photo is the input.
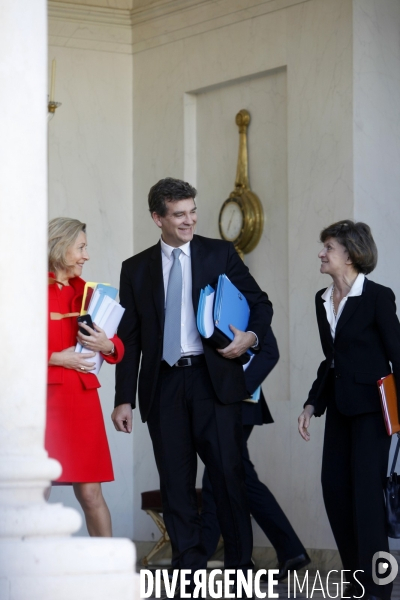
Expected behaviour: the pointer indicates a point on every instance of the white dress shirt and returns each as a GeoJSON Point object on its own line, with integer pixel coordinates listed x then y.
{"type": "Point", "coordinates": [355, 290]}
{"type": "Point", "coordinates": [190, 338]}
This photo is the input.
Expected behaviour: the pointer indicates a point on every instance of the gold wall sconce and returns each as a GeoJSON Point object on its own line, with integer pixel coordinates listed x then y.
{"type": "Point", "coordinates": [52, 105]}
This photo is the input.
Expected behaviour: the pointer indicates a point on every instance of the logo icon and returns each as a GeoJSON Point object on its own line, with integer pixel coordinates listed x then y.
{"type": "Point", "coordinates": [384, 568]}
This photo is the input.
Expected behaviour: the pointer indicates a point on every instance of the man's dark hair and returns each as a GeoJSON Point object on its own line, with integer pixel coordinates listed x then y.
{"type": "Point", "coordinates": [358, 241]}
{"type": "Point", "coordinates": [168, 190]}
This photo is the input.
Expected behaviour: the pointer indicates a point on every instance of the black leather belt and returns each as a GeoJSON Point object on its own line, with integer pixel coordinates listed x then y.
{"type": "Point", "coordinates": [185, 361]}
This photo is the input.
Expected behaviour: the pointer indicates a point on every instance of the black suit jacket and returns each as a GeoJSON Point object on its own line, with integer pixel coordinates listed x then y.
{"type": "Point", "coordinates": [367, 338]}
{"type": "Point", "coordinates": [260, 367]}
{"type": "Point", "coordinates": [142, 326]}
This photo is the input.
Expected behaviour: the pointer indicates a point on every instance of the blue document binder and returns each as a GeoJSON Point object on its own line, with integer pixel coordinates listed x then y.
{"type": "Point", "coordinates": [219, 309]}
{"type": "Point", "coordinates": [230, 307]}
{"type": "Point", "coordinates": [205, 312]}
{"type": "Point", "coordinates": [100, 291]}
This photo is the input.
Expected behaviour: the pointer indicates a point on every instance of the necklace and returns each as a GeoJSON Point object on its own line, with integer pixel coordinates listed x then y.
{"type": "Point", "coordinates": [333, 304]}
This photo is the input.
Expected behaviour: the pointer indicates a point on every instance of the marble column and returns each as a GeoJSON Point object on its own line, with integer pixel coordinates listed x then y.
{"type": "Point", "coordinates": [38, 558]}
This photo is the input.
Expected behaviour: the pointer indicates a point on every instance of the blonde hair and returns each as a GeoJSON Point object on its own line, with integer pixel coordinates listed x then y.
{"type": "Point", "coordinates": [62, 234]}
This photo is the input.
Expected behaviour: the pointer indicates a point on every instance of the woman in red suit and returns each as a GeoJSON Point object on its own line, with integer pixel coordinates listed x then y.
{"type": "Point", "coordinates": [75, 432]}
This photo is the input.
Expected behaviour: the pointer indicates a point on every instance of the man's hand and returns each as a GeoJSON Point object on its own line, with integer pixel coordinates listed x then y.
{"type": "Point", "coordinates": [304, 422]}
{"type": "Point", "coordinates": [242, 341]}
{"type": "Point", "coordinates": [122, 418]}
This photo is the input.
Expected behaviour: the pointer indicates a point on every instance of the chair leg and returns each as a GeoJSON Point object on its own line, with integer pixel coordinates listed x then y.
{"type": "Point", "coordinates": [164, 539]}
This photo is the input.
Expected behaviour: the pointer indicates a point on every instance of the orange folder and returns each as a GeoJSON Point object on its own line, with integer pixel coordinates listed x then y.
{"type": "Point", "coordinates": [387, 392]}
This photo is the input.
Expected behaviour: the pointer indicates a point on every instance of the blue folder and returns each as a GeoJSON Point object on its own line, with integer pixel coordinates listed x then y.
{"type": "Point", "coordinates": [219, 309]}
{"type": "Point", "coordinates": [205, 317]}
{"type": "Point", "coordinates": [230, 307]}
{"type": "Point", "coordinates": [103, 290]}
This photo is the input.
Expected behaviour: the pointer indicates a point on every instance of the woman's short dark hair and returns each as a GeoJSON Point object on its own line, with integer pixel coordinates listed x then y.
{"type": "Point", "coordinates": [358, 241]}
{"type": "Point", "coordinates": [168, 190]}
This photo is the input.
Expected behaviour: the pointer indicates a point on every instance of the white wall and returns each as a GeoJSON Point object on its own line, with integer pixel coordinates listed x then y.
{"type": "Point", "coordinates": [90, 178]}
{"type": "Point", "coordinates": [377, 129]}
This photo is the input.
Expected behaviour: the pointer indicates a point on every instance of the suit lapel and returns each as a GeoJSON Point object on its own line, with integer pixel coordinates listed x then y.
{"type": "Point", "coordinates": [156, 274]}
{"type": "Point", "coordinates": [196, 259]}
{"type": "Point", "coordinates": [326, 329]}
{"type": "Point", "coordinates": [349, 309]}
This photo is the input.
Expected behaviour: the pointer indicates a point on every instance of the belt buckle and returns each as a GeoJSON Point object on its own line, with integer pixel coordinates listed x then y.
{"type": "Point", "coordinates": [188, 362]}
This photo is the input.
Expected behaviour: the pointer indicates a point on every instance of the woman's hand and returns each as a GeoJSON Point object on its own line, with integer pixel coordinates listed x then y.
{"type": "Point", "coordinates": [304, 422]}
{"type": "Point", "coordinates": [96, 340]}
{"type": "Point", "coordinates": [69, 359]}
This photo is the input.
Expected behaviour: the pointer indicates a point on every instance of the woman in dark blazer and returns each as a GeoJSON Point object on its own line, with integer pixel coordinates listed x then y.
{"type": "Point", "coordinates": [360, 337]}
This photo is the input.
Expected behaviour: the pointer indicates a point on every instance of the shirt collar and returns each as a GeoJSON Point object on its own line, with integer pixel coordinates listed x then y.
{"type": "Point", "coordinates": [167, 250]}
{"type": "Point", "coordinates": [357, 287]}
{"type": "Point", "coordinates": [355, 290]}
{"type": "Point", "coordinates": [327, 293]}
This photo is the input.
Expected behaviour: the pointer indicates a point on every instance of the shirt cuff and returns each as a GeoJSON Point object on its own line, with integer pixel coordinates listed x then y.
{"type": "Point", "coordinates": [256, 344]}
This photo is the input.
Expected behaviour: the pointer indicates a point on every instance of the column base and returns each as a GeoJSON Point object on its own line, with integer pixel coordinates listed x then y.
{"type": "Point", "coordinates": [68, 569]}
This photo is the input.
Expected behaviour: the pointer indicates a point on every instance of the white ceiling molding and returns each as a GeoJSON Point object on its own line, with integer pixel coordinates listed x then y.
{"type": "Point", "coordinates": [161, 8]}
{"type": "Point", "coordinates": [90, 28]}
{"type": "Point", "coordinates": [167, 22]}
{"type": "Point", "coordinates": [161, 22]}
{"type": "Point", "coordinates": [88, 14]}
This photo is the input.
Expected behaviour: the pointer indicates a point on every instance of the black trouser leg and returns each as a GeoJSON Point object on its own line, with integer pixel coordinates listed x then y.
{"type": "Point", "coordinates": [187, 418]}
{"type": "Point", "coordinates": [209, 519]}
{"type": "Point", "coordinates": [370, 452]}
{"type": "Point", "coordinates": [174, 450]}
{"type": "Point", "coordinates": [337, 485]}
{"type": "Point", "coordinates": [263, 506]}
{"type": "Point", "coordinates": [354, 466]}
{"type": "Point", "coordinates": [218, 436]}
{"type": "Point", "coordinates": [266, 510]}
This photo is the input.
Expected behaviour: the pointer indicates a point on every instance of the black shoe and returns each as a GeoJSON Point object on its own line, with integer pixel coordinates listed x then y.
{"type": "Point", "coordinates": [356, 591]}
{"type": "Point", "coordinates": [348, 591]}
{"type": "Point", "coordinates": [352, 590]}
{"type": "Point", "coordinates": [292, 564]}
{"type": "Point", "coordinates": [177, 593]}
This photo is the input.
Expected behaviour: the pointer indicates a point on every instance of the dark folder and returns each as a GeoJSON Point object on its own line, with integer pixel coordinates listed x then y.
{"type": "Point", "coordinates": [387, 392]}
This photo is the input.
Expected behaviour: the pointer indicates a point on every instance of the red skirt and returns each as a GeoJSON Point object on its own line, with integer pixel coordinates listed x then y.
{"type": "Point", "coordinates": [75, 432]}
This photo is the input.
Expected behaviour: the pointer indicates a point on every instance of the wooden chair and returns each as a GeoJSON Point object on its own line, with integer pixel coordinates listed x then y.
{"type": "Point", "coordinates": [152, 505]}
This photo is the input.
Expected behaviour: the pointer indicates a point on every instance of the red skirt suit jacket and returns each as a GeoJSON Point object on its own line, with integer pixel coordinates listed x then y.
{"type": "Point", "coordinates": [75, 432]}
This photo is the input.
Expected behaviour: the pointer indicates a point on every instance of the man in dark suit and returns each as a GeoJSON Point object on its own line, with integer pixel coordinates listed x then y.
{"type": "Point", "coordinates": [262, 504]}
{"type": "Point", "coordinates": [189, 393]}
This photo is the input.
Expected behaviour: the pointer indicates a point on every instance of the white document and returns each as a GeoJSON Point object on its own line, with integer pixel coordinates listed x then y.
{"type": "Point", "coordinates": [208, 315]}
{"type": "Point", "coordinates": [108, 318]}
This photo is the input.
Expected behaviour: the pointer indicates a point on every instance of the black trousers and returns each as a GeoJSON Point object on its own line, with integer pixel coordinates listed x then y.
{"type": "Point", "coordinates": [354, 468]}
{"type": "Point", "coordinates": [262, 505]}
{"type": "Point", "coordinates": [187, 419]}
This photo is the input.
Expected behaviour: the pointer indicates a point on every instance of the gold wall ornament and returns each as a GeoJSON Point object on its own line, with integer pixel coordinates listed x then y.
{"type": "Point", "coordinates": [241, 218]}
{"type": "Point", "coordinates": [52, 105]}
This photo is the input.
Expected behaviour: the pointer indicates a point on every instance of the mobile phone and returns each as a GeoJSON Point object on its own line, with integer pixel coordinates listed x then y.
{"type": "Point", "coordinates": [87, 319]}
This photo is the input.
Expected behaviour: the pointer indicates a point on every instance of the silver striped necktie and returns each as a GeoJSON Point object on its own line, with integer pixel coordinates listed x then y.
{"type": "Point", "coordinates": [172, 324]}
